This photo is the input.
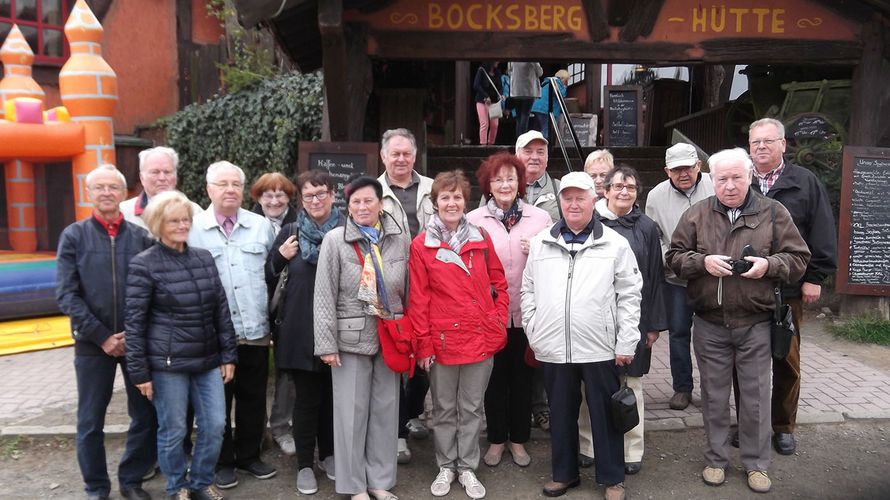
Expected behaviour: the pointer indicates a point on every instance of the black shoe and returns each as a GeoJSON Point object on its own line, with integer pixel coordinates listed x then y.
{"type": "Point", "coordinates": [208, 493]}
{"type": "Point", "coordinates": [97, 496]}
{"type": "Point", "coordinates": [734, 440]}
{"type": "Point", "coordinates": [259, 469]}
{"type": "Point", "coordinates": [557, 489]}
{"type": "Point", "coordinates": [631, 468]}
{"type": "Point", "coordinates": [784, 443]}
{"type": "Point", "coordinates": [225, 477]}
{"type": "Point", "coordinates": [585, 462]}
{"type": "Point", "coordinates": [136, 493]}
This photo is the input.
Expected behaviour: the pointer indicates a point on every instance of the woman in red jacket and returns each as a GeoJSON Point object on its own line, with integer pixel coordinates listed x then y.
{"type": "Point", "coordinates": [458, 308]}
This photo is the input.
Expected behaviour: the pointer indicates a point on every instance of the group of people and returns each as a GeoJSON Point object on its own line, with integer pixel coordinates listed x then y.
{"type": "Point", "coordinates": [561, 284]}
{"type": "Point", "coordinates": [519, 93]}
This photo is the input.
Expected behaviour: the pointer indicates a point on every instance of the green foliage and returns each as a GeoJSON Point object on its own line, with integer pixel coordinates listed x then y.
{"type": "Point", "coordinates": [256, 129]}
{"type": "Point", "coordinates": [251, 58]}
{"type": "Point", "coordinates": [866, 330]}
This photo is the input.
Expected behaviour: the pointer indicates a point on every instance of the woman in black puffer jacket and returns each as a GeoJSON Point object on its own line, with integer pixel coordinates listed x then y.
{"type": "Point", "coordinates": [180, 343]}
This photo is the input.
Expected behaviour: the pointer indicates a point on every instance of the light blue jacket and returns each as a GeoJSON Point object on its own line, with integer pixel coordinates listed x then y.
{"type": "Point", "coordinates": [240, 259]}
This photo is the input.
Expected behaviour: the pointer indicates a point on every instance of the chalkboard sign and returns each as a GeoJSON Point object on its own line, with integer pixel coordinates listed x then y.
{"type": "Point", "coordinates": [340, 160]}
{"type": "Point", "coordinates": [623, 116]}
{"type": "Point", "coordinates": [864, 247]}
{"type": "Point", "coordinates": [810, 126]}
{"type": "Point", "coordinates": [585, 127]}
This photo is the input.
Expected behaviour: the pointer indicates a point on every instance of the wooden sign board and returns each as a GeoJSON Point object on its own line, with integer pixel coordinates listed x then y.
{"type": "Point", "coordinates": [864, 239]}
{"type": "Point", "coordinates": [623, 116]}
{"type": "Point", "coordinates": [585, 127]}
{"type": "Point", "coordinates": [340, 160]}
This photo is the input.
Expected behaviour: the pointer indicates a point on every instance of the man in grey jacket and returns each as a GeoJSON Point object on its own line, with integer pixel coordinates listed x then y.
{"type": "Point", "coordinates": [685, 186]}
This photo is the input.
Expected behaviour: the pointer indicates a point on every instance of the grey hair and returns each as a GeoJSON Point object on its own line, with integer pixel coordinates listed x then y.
{"type": "Point", "coordinates": [106, 167]}
{"type": "Point", "coordinates": [398, 132]}
{"type": "Point", "coordinates": [768, 121]}
{"type": "Point", "coordinates": [730, 155]}
{"type": "Point", "coordinates": [219, 166]}
{"type": "Point", "coordinates": [600, 154]}
{"type": "Point", "coordinates": [164, 150]}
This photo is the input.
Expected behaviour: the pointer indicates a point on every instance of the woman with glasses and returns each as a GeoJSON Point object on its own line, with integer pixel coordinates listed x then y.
{"type": "Point", "coordinates": [181, 344]}
{"type": "Point", "coordinates": [619, 211]}
{"type": "Point", "coordinates": [298, 245]}
{"type": "Point", "coordinates": [510, 223]}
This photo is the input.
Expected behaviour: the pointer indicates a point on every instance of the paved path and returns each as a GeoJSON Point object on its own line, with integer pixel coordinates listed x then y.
{"type": "Point", "coordinates": [38, 391]}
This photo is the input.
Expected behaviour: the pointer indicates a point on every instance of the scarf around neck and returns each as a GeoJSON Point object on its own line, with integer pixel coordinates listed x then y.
{"type": "Point", "coordinates": [371, 286]}
{"type": "Point", "coordinates": [509, 218]}
{"type": "Point", "coordinates": [456, 239]}
{"type": "Point", "coordinates": [311, 233]}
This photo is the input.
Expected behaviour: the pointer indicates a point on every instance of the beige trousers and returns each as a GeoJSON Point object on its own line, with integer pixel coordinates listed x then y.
{"type": "Point", "coordinates": [633, 439]}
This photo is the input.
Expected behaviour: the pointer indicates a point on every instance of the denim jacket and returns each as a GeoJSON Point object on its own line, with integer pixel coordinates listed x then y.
{"type": "Point", "coordinates": [240, 259]}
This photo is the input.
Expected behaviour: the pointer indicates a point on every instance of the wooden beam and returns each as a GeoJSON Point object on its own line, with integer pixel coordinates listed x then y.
{"type": "Point", "coordinates": [593, 79]}
{"type": "Point", "coordinates": [596, 19]}
{"type": "Point", "coordinates": [643, 16]}
{"type": "Point", "coordinates": [871, 103]}
{"type": "Point", "coordinates": [461, 100]}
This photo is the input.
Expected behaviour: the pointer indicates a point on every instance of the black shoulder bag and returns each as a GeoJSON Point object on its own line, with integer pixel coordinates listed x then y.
{"type": "Point", "coordinates": [276, 303]}
{"type": "Point", "coordinates": [624, 407]}
{"type": "Point", "coordinates": [782, 327]}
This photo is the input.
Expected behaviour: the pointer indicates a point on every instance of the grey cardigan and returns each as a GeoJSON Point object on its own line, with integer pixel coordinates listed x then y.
{"type": "Point", "coordinates": [525, 79]}
{"type": "Point", "coordinates": [340, 322]}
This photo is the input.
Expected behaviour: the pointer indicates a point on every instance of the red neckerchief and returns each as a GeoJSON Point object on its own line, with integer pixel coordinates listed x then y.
{"type": "Point", "coordinates": [112, 226]}
{"type": "Point", "coordinates": [141, 202]}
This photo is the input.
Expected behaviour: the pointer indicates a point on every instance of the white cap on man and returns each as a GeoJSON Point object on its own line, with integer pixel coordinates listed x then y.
{"type": "Point", "coordinates": [580, 180]}
{"type": "Point", "coordinates": [680, 155]}
{"type": "Point", "coordinates": [532, 135]}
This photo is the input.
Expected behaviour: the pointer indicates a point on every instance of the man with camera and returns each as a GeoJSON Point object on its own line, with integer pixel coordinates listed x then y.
{"type": "Point", "coordinates": [733, 248]}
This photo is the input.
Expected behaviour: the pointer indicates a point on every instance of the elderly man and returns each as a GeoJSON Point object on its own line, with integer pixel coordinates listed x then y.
{"type": "Point", "coordinates": [157, 173]}
{"type": "Point", "coordinates": [684, 187]}
{"type": "Point", "coordinates": [581, 309]}
{"type": "Point", "coordinates": [406, 195]}
{"type": "Point", "coordinates": [801, 192]}
{"type": "Point", "coordinates": [239, 241]}
{"type": "Point", "coordinates": [92, 264]}
{"type": "Point", "coordinates": [733, 303]}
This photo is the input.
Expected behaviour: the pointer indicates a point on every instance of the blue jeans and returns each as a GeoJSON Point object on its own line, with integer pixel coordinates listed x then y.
{"type": "Point", "coordinates": [680, 316]}
{"type": "Point", "coordinates": [95, 383]}
{"type": "Point", "coordinates": [172, 393]}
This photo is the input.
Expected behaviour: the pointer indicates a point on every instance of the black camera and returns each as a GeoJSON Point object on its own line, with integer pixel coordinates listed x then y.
{"type": "Point", "coordinates": [742, 266]}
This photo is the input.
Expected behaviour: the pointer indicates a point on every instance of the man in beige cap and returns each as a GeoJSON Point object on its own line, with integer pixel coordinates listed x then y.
{"type": "Point", "coordinates": [685, 186]}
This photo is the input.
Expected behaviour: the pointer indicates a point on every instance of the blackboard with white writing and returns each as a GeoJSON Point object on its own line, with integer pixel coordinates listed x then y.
{"type": "Point", "coordinates": [865, 222]}
{"type": "Point", "coordinates": [623, 116]}
{"type": "Point", "coordinates": [340, 160]}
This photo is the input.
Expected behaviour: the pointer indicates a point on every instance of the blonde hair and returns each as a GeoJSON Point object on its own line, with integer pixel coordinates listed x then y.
{"type": "Point", "coordinates": [602, 155]}
{"type": "Point", "coordinates": [161, 206]}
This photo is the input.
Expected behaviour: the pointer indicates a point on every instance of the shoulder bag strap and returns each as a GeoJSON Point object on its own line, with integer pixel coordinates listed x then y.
{"type": "Point", "coordinates": [777, 288]}
{"type": "Point", "coordinates": [495, 87]}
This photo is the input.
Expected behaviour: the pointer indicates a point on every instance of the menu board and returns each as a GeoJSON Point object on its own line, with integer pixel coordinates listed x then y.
{"type": "Point", "coordinates": [864, 247]}
{"type": "Point", "coordinates": [623, 116]}
{"type": "Point", "coordinates": [340, 160]}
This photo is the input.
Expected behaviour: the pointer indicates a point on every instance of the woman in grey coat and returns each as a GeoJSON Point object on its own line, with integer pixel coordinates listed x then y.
{"type": "Point", "coordinates": [525, 87]}
{"type": "Point", "coordinates": [361, 277]}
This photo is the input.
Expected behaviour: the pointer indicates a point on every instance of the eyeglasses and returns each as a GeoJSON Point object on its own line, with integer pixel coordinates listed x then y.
{"type": "Point", "coordinates": [307, 198]}
{"type": "Point", "coordinates": [227, 185]}
{"type": "Point", "coordinates": [273, 196]}
{"type": "Point", "coordinates": [766, 142]}
{"type": "Point", "coordinates": [508, 181]}
{"type": "Point", "coordinates": [631, 188]}
{"type": "Point", "coordinates": [101, 188]}
{"type": "Point", "coordinates": [178, 222]}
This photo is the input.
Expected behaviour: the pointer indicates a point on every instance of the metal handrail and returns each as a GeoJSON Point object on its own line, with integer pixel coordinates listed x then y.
{"type": "Point", "coordinates": [560, 101]}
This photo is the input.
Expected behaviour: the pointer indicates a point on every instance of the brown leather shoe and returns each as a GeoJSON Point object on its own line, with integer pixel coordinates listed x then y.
{"type": "Point", "coordinates": [680, 400]}
{"type": "Point", "coordinates": [557, 489]}
{"type": "Point", "coordinates": [615, 492]}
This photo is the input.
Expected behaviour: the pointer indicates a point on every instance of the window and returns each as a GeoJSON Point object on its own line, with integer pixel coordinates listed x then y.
{"type": "Point", "coordinates": [576, 73]}
{"type": "Point", "coordinates": [42, 23]}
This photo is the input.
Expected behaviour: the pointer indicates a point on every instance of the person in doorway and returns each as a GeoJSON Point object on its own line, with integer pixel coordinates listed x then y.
{"type": "Point", "coordinates": [525, 87]}
{"type": "Point", "coordinates": [485, 92]}
{"type": "Point", "coordinates": [542, 106]}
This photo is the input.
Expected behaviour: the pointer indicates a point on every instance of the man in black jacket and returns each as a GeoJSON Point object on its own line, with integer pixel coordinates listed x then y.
{"type": "Point", "coordinates": [801, 192]}
{"type": "Point", "coordinates": [92, 264]}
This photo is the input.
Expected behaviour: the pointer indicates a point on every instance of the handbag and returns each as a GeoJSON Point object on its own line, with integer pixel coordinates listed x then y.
{"type": "Point", "coordinates": [495, 110]}
{"type": "Point", "coordinates": [275, 309]}
{"type": "Point", "coordinates": [396, 338]}
{"type": "Point", "coordinates": [782, 326]}
{"type": "Point", "coordinates": [624, 408]}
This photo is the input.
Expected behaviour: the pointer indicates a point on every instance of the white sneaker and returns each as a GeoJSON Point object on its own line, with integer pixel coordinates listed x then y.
{"type": "Point", "coordinates": [416, 429]}
{"type": "Point", "coordinates": [327, 466]}
{"type": "Point", "coordinates": [442, 485]}
{"type": "Point", "coordinates": [287, 445]}
{"type": "Point", "coordinates": [404, 454]}
{"type": "Point", "coordinates": [471, 484]}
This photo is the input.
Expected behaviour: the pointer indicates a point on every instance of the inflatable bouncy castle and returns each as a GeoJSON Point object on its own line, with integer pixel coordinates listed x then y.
{"type": "Point", "coordinates": [80, 133]}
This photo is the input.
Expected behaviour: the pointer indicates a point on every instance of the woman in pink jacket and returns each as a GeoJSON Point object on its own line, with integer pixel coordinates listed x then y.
{"type": "Point", "coordinates": [458, 308]}
{"type": "Point", "coordinates": [510, 224]}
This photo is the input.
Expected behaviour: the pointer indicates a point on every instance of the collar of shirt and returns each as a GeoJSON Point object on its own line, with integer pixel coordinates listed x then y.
{"type": "Point", "coordinates": [415, 179]}
{"type": "Point", "coordinates": [220, 218]}
{"type": "Point", "coordinates": [540, 181]}
{"type": "Point", "coordinates": [570, 237]}
{"type": "Point", "coordinates": [141, 202]}
{"type": "Point", "coordinates": [111, 227]}
{"type": "Point", "coordinates": [767, 180]}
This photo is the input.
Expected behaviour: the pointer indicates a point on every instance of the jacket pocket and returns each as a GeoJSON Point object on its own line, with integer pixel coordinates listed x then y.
{"type": "Point", "coordinates": [350, 329]}
{"type": "Point", "coordinates": [443, 333]}
{"type": "Point", "coordinates": [254, 255]}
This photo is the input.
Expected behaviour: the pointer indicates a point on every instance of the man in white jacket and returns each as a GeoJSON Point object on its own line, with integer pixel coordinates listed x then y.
{"type": "Point", "coordinates": [581, 309]}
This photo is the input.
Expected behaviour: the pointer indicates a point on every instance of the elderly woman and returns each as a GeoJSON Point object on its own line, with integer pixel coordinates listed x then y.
{"type": "Point", "coordinates": [272, 194]}
{"type": "Point", "coordinates": [597, 165]}
{"type": "Point", "coordinates": [180, 343]}
{"type": "Point", "coordinates": [510, 223]}
{"type": "Point", "coordinates": [361, 277]}
{"type": "Point", "coordinates": [458, 308]}
{"type": "Point", "coordinates": [619, 211]}
{"type": "Point", "coordinates": [298, 245]}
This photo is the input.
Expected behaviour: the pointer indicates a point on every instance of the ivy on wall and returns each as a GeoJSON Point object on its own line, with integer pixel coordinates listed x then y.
{"type": "Point", "coordinates": [257, 129]}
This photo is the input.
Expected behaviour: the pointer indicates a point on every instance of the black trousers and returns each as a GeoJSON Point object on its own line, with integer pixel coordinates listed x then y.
{"type": "Point", "coordinates": [508, 399]}
{"type": "Point", "coordinates": [313, 415]}
{"type": "Point", "coordinates": [563, 384]}
{"type": "Point", "coordinates": [412, 394]}
{"type": "Point", "coordinates": [249, 389]}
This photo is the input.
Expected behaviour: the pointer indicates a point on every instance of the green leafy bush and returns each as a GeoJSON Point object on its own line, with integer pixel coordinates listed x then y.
{"type": "Point", "coordinates": [864, 329]}
{"type": "Point", "coordinates": [256, 129]}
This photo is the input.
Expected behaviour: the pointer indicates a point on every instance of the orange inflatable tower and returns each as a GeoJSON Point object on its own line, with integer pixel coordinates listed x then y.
{"type": "Point", "coordinates": [88, 87]}
{"type": "Point", "coordinates": [17, 58]}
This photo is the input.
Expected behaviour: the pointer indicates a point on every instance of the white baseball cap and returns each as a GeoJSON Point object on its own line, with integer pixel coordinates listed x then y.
{"type": "Point", "coordinates": [532, 135]}
{"type": "Point", "coordinates": [680, 155]}
{"type": "Point", "coordinates": [580, 180]}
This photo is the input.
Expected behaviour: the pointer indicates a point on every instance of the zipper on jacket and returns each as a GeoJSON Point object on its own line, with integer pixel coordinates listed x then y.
{"type": "Point", "coordinates": [113, 283]}
{"type": "Point", "coordinates": [569, 310]}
